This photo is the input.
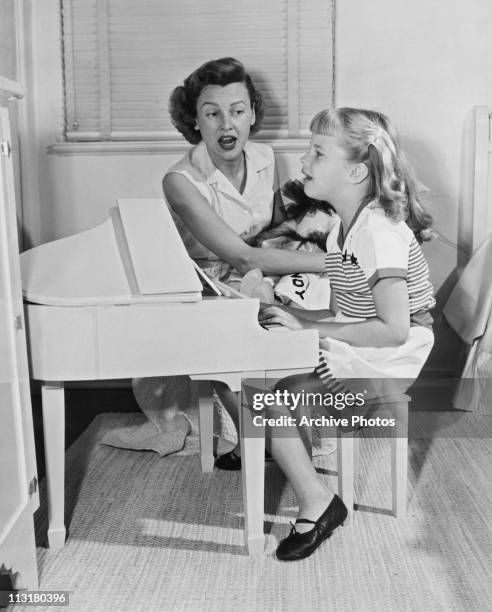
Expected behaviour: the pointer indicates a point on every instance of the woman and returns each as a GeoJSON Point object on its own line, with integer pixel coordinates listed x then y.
{"type": "Point", "coordinates": [221, 193]}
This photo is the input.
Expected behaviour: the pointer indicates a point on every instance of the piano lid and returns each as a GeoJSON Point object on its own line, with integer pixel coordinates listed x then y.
{"type": "Point", "coordinates": [134, 256]}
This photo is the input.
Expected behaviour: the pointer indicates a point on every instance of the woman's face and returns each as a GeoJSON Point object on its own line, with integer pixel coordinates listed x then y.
{"type": "Point", "coordinates": [224, 117]}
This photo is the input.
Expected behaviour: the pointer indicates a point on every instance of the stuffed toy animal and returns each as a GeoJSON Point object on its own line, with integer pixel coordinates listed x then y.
{"type": "Point", "coordinates": [305, 227]}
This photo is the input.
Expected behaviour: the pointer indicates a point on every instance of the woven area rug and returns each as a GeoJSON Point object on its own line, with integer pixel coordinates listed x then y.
{"type": "Point", "coordinates": [155, 534]}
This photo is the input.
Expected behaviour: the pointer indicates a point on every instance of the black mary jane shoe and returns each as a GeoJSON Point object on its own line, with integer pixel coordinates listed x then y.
{"type": "Point", "coordinates": [232, 462]}
{"type": "Point", "coordinates": [298, 546]}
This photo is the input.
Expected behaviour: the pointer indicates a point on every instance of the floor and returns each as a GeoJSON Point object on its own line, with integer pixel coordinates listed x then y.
{"type": "Point", "coordinates": [155, 534]}
{"type": "Point", "coordinates": [82, 405]}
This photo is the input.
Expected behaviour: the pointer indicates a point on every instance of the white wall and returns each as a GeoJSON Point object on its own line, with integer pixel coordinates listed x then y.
{"type": "Point", "coordinates": [8, 43]}
{"type": "Point", "coordinates": [425, 63]}
{"type": "Point", "coordinates": [80, 188]}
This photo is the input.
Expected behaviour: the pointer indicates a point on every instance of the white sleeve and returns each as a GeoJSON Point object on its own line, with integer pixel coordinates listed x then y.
{"type": "Point", "coordinates": [382, 251]}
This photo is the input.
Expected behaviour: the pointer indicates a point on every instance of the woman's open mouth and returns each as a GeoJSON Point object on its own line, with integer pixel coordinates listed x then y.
{"type": "Point", "coordinates": [227, 142]}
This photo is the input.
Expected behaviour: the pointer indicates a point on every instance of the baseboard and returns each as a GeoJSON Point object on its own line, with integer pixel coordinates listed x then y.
{"type": "Point", "coordinates": [123, 383]}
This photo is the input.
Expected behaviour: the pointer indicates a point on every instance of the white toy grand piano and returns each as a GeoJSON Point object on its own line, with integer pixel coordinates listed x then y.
{"type": "Point", "coordinates": [123, 300]}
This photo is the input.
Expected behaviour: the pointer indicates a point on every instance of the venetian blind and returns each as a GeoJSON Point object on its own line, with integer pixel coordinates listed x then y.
{"type": "Point", "coordinates": [122, 59]}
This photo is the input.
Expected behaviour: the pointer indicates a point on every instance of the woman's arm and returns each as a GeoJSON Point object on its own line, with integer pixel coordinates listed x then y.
{"type": "Point", "coordinates": [209, 229]}
{"type": "Point", "coordinates": [390, 327]}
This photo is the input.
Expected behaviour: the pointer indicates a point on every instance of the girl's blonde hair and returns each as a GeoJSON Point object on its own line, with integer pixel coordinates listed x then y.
{"type": "Point", "coordinates": [368, 137]}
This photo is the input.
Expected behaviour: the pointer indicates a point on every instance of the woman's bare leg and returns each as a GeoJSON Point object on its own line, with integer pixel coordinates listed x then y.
{"type": "Point", "coordinates": [229, 399]}
{"type": "Point", "coordinates": [163, 400]}
{"type": "Point", "coordinates": [289, 452]}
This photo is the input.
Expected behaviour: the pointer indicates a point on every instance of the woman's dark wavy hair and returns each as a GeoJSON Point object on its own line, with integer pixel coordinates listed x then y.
{"type": "Point", "coordinates": [223, 71]}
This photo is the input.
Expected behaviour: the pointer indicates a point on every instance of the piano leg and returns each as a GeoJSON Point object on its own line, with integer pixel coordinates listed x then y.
{"type": "Point", "coordinates": [252, 453]}
{"type": "Point", "coordinates": [206, 424]}
{"type": "Point", "coordinates": [253, 477]}
{"type": "Point", "coordinates": [53, 400]}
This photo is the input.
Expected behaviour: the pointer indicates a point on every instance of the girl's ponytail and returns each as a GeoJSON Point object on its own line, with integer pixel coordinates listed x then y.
{"type": "Point", "coordinates": [394, 185]}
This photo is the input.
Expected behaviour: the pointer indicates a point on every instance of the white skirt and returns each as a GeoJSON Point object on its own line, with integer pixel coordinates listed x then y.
{"type": "Point", "coordinates": [376, 371]}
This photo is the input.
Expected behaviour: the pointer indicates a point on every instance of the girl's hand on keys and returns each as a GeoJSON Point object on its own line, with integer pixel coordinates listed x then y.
{"type": "Point", "coordinates": [273, 315]}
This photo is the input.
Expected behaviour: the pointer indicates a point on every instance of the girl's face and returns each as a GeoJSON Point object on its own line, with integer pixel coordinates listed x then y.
{"type": "Point", "coordinates": [326, 169]}
{"type": "Point", "coordinates": [224, 117]}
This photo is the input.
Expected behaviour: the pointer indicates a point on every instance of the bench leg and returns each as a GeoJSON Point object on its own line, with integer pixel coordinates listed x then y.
{"type": "Point", "coordinates": [356, 442]}
{"type": "Point", "coordinates": [53, 401]}
{"type": "Point", "coordinates": [399, 459]}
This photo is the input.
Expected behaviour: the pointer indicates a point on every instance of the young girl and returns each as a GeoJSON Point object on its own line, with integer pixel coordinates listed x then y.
{"type": "Point", "coordinates": [380, 326]}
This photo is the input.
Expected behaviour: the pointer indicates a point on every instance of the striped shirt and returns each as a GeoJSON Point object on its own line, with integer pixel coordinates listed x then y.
{"type": "Point", "coordinates": [376, 247]}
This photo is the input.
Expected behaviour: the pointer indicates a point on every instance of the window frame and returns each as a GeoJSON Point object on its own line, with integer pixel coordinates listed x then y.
{"type": "Point", "coordinates": [173, 141]}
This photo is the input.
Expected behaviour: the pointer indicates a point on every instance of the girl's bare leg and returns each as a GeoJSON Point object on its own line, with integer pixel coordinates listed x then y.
{"type": "Point", "coordinates": [289, 452]}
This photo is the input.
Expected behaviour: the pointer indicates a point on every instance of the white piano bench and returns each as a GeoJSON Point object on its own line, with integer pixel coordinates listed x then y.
{"type": "Point", "coordinates": [348, 459]}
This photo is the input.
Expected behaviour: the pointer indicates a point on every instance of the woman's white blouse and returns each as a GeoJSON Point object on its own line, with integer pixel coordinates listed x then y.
{"type": "Point", "coordinates": [247, 213]}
